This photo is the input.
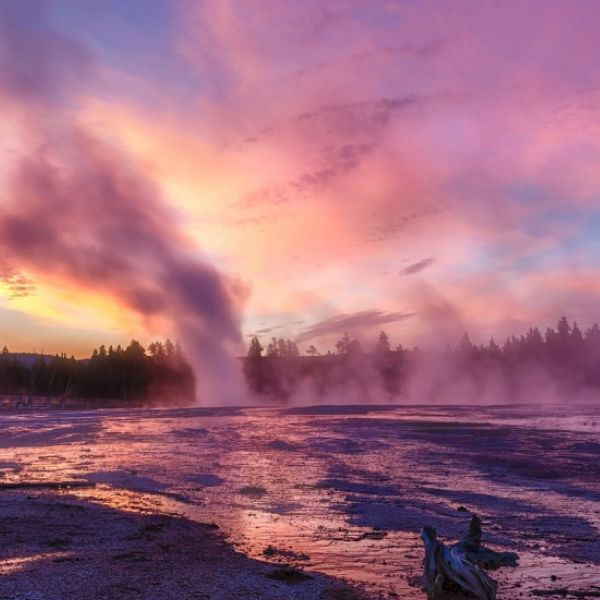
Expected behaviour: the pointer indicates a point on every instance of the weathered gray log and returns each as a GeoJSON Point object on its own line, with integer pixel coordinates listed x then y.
{"type": "Point", "coordinates": [462, 564]}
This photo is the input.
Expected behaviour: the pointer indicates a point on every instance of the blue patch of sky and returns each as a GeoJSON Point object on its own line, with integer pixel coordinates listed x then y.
{"type": "Point", "coordinates": [136, 37]}
{"type": "Point", "coordinates": [576, 228]}
{"type": "Point", "coordinates": [581, 242]}
{"type": "Point", "coordinates": [575, 225]}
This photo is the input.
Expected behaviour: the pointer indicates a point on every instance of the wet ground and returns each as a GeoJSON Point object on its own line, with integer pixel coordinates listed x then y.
{"type": "Point", "coordinates": [344, 490]}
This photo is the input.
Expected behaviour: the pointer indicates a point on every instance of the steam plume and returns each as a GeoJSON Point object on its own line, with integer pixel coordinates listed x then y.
{"type": "Point", "coordinates": [76, 208]}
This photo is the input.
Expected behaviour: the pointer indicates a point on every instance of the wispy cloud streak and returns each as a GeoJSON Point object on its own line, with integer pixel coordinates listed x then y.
{"type": "Point", "coordinates": [417, 267]}
{"type": "Point", "coordinates": [354, 323]}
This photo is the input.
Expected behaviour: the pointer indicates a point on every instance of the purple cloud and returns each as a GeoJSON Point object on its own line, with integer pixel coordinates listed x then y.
{"type": "Point", "coordinates": [417, 267]}
{"type": "Point", "coordinates": [357, 321]}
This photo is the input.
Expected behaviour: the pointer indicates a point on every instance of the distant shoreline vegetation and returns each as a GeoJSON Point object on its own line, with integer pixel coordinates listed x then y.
{"type": "Point", "coordinates": [563, 362]}
{"type": "Point", "coordinates": [134, 373]}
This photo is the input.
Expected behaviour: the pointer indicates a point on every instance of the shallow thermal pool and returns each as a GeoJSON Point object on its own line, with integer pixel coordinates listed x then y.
{"type": "Point", "coordinates": [343, 490]}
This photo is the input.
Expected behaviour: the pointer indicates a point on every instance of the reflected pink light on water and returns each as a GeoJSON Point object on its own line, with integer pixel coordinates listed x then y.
{"type": "Point", "coordinates": [344, 494]}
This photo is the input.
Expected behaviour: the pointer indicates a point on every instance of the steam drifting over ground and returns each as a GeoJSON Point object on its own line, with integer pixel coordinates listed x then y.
{"type": "Point", "coordinates": [529, 368]}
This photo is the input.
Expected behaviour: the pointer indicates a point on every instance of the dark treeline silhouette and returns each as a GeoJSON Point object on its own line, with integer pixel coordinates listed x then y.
{"type": "Point", "coordinates": [128, 374]}
{"type": "Point", "coordinates": [282, 372]}
{"type": "Point", "coordinates": [561, 363]}
{"type": "Point", "coordinates": [563, 360]}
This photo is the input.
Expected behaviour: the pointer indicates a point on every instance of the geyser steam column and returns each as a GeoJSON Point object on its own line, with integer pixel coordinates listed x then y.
{"type": "Point", "coordinates": [207, 323]}
{"type": "Point", "coordinates": [75, 210]}
{"type": "Point", "coordinates": [106, 229]}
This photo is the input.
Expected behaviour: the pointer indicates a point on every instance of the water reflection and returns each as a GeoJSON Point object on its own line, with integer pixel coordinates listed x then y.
{"type": "Point", "coordinates": [341, 491]}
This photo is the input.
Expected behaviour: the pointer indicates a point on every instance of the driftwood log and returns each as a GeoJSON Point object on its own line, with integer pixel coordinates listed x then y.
{"type": "Point", "coordinates": [460, 567]}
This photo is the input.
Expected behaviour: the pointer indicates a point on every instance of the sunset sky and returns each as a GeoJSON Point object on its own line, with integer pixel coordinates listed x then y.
{"type": "Point", "coordinates": [317, 166]}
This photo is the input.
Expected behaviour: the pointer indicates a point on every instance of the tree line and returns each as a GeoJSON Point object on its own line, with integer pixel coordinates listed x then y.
{"type": "Point", "coordinates": [565, 356]}
{"type": "Point", "coordinates": [132, 373]}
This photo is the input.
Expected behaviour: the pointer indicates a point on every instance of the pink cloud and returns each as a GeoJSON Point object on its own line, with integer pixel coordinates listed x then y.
{"type": "Point", "coordinates": [327, 144]}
